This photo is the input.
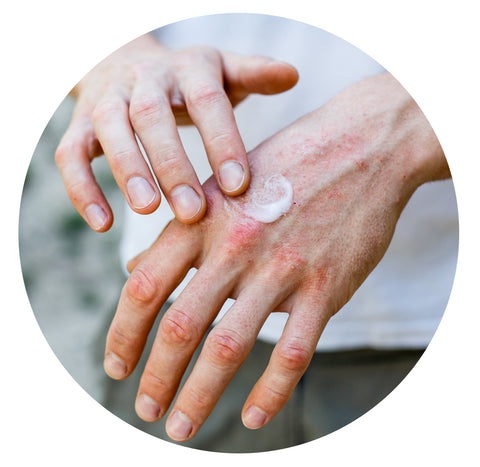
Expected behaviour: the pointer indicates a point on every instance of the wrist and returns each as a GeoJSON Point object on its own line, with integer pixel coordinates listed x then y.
{"type": "Point", "coordinates": [383, 122]}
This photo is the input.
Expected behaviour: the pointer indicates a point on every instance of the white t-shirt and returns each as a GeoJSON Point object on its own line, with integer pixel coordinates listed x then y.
{"type": "Point", "coordinates": [402, 301]}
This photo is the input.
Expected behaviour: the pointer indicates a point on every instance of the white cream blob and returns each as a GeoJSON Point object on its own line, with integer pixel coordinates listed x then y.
{"type": "Point", "coordinates": [273, 201]}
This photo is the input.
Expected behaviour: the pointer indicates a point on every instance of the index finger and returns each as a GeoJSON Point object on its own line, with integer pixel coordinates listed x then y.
{"type": "Point", "coordinates": [211, 112]}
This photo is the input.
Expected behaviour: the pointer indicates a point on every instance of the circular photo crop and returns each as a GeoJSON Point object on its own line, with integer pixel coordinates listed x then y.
{"type": "Point", "coordinates": [238, 233]}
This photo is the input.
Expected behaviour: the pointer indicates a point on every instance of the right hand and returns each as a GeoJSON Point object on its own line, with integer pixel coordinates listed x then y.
{"type": "Point", "coordinates": [145, 89]}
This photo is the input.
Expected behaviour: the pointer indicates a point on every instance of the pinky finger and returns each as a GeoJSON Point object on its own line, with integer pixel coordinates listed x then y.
{"type": "Point", "coordinates": [73, 157]}
{"type": "Point", "coordinates": [290, 358]}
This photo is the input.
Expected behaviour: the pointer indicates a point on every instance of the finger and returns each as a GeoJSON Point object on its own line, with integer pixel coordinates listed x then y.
{"type": "Point", "coordinates": [154, 123]}
{"type": "Point", "coordinates": [257, 74]}
{"type": "Point", "coordinates": [112, 126]}
{"type": "Point", "coordinates": [289, 360]}
{"type": "Point", "coordinates": [145, 291]}
{"type": "Point", "coordinates": [180, 332]}
{"type": "Point", "coordinates": [133, 262]}
{"type": "Point", "coordinates": [225, 349]}
{"type": "Point", "coordinates": [73, 155]}
{"type": "Point", "coordinates": [211, 111]}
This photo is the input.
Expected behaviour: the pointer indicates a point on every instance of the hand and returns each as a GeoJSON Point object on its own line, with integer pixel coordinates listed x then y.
{"type": "Point", "coordinates": [145, 89]}
{"type": "Point", "coordinates": [353, 165]}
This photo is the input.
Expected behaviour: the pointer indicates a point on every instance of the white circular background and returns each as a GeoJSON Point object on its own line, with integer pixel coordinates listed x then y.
{"type": "Point", "coordinates": [431, 47]}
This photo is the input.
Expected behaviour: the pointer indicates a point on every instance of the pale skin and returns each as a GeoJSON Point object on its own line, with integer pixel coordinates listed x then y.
{"type": "Point", "coordinates": [353, 165]}
{"type": "Point", "coordinates": [146, 90]}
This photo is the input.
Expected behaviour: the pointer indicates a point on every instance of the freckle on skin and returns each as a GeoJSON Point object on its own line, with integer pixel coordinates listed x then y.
{"type": "Point", "coordinates": [361, 164]}
{"type": "Point", "coordinates": [290, 256]}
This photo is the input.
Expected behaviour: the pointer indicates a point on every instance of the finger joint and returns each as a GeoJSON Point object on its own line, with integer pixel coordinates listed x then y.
{"type": "Point", "coordinates": [106, 110]}
{"type": "Point", "coordinates": [155, 382]}
{"type": "Point", "coordinates": [292, 356]}
{"type": "Point", "coordinates": [205, 95]}
{"type": "Point", "coordinates": [178, 328]}
{"type": "Point", "coordinates": [147, 110]}
{"type": "Point", "coordinates": [225, 348]}
{"type": "Point", "coordinates": [142, 287]}
{"type": "Point", "coordinates": [120, 339]}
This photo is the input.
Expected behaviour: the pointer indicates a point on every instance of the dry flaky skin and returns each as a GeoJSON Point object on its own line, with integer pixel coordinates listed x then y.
{"type": "Point", "coordinates": [353, 165]}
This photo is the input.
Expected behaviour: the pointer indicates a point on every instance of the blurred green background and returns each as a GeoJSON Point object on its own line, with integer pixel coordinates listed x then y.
{"type": "Point", "coordinates": [72, 274]}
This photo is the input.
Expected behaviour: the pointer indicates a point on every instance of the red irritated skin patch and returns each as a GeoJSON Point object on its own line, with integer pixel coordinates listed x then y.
{"type": "Point", "coordinates": [321, 208]}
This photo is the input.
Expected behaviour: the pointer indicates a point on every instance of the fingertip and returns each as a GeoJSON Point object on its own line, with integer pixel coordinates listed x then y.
{"type": "Point", "coordinates": [188, 205]}
{"type": "Point", "coordinates": [233, 177]}
{"type": "Point", "coordinates": [147, 408]}
{"type": "Point", "coordinates": [254, 418]}
{"type": "Point", "coordinates": [98, 218]}
{"type": "Point", "coordinates": [282, 77]}
{"type": "Point", "coordinates": [142, 197]}
{"type": "Point", "coordinates": [179, 427]}
{"type": "Point", "coordinates": [198, 217]}
{"type": "Point", "coordinates": [114, 366]}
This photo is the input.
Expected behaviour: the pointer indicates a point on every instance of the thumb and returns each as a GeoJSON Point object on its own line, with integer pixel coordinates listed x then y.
{"type": "Point", "coordinates": [257, 74]}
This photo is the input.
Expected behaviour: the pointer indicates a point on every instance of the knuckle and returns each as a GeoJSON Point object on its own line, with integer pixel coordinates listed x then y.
{"type": "Point", "coordinates": [275, 396]}
{"type": "Point", "coordinates": [63, 152]}
{"type": "Point", "coordinates": [205, 94]}
{"type": "Point", "coordinates": [120, 159]}
{"type": "Point", "coordinates": [202, 400]}
{"type": "Point", "coordinates": [152, 381]}
{"type": "Point", "coordinates": [169, 160]}
{"type": "Point", "coordinates": [292, 356]}
{"type": "Point", "coordinates": [225, 142]}
{"type": "Point", "coordinates": [178, 328]}
{"type": "Point", "coordinates": [107, 109]}
{"type": "Point", "coordinates": [142, 287]}
{"type": "Point", "coordinates": [71, 148]}
{"type": "Point", "coordinates": [78, 142]}
{"type": "Point", "coordinates": [76, 190]}
{"type": "Point", "coordinates": [119, 339]}
{"type": "Point", "coordinates": [146, 109]}
{"type": "Point", "coordinates": [225, 347]}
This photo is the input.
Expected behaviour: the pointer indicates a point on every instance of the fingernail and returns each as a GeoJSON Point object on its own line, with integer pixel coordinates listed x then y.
{"type": "Point", "coordinates": [186, 202]}
{"type": "Point", "coordinates": [179, 426]}
{"type": "Point", "coordinates": [114, 366]}
{"type": "Point", "coordinates": [231, 175]}
{"type": "Point", "coordinates": [96, 216]}
{"type": "Point", "coordinates": [254, 418]}
{"type": "Point", "coordinates": [147, 408]}
{"type": "Point", "coordinates": [140, 192]}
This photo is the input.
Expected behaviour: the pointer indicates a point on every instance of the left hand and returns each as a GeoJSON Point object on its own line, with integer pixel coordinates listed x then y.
{"type": "Point", "coordinates": [353, 165]}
